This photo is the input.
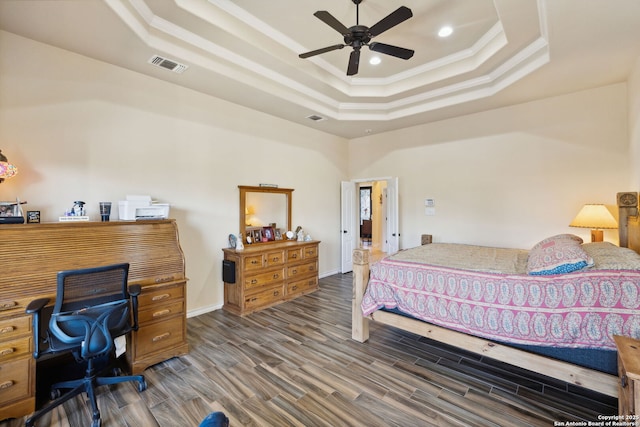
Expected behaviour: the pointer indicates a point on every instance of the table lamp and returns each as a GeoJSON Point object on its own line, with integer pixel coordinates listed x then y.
{"type": "Point", "coordinates": [595, 217]}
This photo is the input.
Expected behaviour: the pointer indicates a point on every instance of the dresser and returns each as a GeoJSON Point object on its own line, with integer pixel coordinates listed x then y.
{"type": "Point", "coordinates": [270, 273]}
{"type": "Point", "coordinates": [32, 254]}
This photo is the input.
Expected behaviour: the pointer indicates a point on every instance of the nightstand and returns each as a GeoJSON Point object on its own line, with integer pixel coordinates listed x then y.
{"type": "Point", "coordinates": [629, 375]}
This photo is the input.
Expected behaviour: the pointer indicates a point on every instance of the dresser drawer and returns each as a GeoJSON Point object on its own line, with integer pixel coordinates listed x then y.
{"type": "Point", "coordinates": [257, 280]}
{"type": "Point", "coordinates": [14, 380]}
{"type": "Point", "coordinates": [159, 336]}
{"type": "Point", "coordinates": [263, 297]}
{"type": "Point", "coordinates": [13, 349]}
{"type": "Point", "coordinates": [301, 286]}
{"type": "Point", "coordinates": [310, 252]}
{"type": "Point", "coordinates": [253, 262]}
{"type": "Point", "coordinates": [162, 295]}
{"type": "Point", "coordinates": [161, 311]}
{"type": "Point", "coordinates": [302, 269]}
{"type": "Point", "coordinates": [275, 258]}
{"type": "Point", "coordinates": [14, 327]}
{"type": "Point", "coordinates": [294, 254]}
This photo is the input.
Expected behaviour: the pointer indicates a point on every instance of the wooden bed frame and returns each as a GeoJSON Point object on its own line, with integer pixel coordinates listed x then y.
{"type": "Point", "coordinates": [629, 231]}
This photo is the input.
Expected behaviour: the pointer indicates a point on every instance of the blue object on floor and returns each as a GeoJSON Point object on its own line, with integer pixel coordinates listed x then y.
{"type": "Point", "coordinates": [215, 419]}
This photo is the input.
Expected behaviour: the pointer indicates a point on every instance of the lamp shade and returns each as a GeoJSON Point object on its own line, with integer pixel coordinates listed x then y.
{"type": "Point", "coordinates": [594, 216]}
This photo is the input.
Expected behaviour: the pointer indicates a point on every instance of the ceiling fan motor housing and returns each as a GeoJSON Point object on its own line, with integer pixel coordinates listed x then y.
{"type": "Point", "coordinates": [359, 36]}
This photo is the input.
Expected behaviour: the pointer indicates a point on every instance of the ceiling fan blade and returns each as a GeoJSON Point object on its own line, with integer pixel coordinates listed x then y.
{"type": "Point", "coordinates": [319, 51]}
{"type": "Point", "coordinates": [354, 62]}
{"type": "Point", "coordinates": [394, 18]}
{"type": "Point", "coordinates": [387, 49]}
{"type": "Point", "coordinates": [328, 19]}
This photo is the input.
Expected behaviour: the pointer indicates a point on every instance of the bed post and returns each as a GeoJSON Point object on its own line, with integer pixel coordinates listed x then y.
{"type": "Point", "coordinates": [359, 323]}
{"type": "Point", "coordinates": [628, 220]}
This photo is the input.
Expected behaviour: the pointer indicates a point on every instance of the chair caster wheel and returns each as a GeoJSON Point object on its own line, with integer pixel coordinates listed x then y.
{"type": "Point", "coordinates": [142, 385]}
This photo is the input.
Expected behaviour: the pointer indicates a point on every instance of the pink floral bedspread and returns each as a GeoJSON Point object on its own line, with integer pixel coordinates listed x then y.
{"type": "Point", "coordinates": [581, 309]}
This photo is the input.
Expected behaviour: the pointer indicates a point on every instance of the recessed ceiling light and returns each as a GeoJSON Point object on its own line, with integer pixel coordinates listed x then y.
{"type": "Point", "coordinates": [375, 60]}
{"type": "Point", "coordinates": [445, 31]}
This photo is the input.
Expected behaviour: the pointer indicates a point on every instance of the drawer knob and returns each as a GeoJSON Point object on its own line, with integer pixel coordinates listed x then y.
{"type": "Point", "coordinates": [7, 329]}
{"type": "Point", "coordinates": [6, 384]}
{"type": "Point", "coordinates": [276, 293]}
{"type": "Point", "coordinates": [254, 281]}
{"type": "Point", "coordinates": [275, 259]}
{"type": "Point", "coordinates": [294, 271]}
{"type": "Point", "coordinates": [254, 262]}
{"type": "Point", "coordinates": [161, 297]}
{"type": "Point", "coordinates": [294, 256]}
{"type": "Point", "coordinates": [294, 288]}
{"type": "Point", "coordinates": [162, 312]}
{"type": "Point", "coordinates": [161, 337]}
{"type": "Point", "coordinates": [8, 305]}
{"type": "Point", "coordinates": [276, 275]}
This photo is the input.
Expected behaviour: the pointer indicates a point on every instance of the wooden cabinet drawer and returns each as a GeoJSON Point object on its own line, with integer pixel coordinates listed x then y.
{"type": "Point", "coordinates": [160, 312]}
{"type": "Point", "coordinates": [14, 327]}
{"type": "Point", "coordinates": [159, 336]}
{"type": "Point", "coordinates": [15, 380]}
{"type": "Point", "coordinates": [13, 349]}
{"type": "Point", "coordinates": [161, 295]}
{"type": "Point", "coordinates": [253, 262]}
{"type": "Point", "coordinates": [262, 279]}
{"type": "Point", "coordinates": [263, 297]}
{"type": "Point", "coordinates": [275, 258]}
{"type": "Point", "coordinates": [300, 286]}
{"type": "Point", "coordinates": [310, 252]}
{"type": "Point", "coordinates": [294, 254]}
{"type": "Point", "coordinates": [302, 269]}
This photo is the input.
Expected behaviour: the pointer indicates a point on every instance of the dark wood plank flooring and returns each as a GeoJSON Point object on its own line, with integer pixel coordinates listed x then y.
{"type": "Point", "coordinates": [296, 365]}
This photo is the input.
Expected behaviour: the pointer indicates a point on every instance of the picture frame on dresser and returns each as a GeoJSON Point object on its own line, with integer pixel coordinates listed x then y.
{"type": "Point", "coordinates": [268, 234]}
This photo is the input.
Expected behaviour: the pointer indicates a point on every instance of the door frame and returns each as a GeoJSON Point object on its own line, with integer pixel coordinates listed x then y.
{"type": "Point", "coordinates": [350, 232]}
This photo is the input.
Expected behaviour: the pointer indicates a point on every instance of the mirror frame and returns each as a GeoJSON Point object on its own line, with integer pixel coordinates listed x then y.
{"type": "Point", "coordinates": [244, 189]}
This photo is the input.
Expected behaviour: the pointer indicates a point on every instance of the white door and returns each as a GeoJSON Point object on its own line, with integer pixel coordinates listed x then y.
{"type": "Point", "coordinates": [393, 228]}
{"type": "Point", "coordinates": [348, 225]}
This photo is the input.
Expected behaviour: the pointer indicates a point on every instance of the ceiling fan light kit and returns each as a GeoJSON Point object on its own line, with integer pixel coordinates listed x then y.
{"type": "Point", "coordinates": [361, 35]}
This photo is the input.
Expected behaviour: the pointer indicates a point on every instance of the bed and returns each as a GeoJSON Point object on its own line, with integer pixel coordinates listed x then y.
{"type": "Point", "coordinates": [552, 309]}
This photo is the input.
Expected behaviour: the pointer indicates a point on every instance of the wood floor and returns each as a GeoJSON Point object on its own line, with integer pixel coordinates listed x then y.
{"type": "Point", "coordinates": [296, 365]}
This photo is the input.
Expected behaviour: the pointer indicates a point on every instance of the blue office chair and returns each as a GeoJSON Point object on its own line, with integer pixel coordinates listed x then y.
{"type": "Point", "coordinates": [93, 305]}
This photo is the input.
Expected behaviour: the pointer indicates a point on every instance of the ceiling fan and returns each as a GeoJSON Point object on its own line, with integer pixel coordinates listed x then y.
{"type": "Point", "coordinates": [360, 35]}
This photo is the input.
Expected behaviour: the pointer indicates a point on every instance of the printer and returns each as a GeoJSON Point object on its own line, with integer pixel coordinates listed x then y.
{"type": "Point", "coordinates": [140, 208]}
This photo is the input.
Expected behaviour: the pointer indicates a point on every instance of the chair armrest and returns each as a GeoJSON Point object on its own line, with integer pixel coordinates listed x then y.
{"type": "Point", "coordinates": [134, 290]}
{"type": "Point", "coordinates": [36, 305]}
{"type": "Point", "coordinates": [34, 308]}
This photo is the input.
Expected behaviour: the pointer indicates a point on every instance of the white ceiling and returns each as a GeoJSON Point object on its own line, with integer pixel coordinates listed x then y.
{"type": "Point", "coordinates": [246, 51]}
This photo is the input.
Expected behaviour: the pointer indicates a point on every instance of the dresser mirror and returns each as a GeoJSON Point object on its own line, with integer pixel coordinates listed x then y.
{"type": "Point", "coordinates": [262, 207]}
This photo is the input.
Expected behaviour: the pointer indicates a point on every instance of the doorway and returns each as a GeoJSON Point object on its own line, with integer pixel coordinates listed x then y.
{"type": "Point", "coordinates": [369, 217]}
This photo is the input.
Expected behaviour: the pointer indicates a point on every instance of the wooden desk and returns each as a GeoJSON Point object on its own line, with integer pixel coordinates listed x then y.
{"type": "Point", "coordinates": [32, 254]}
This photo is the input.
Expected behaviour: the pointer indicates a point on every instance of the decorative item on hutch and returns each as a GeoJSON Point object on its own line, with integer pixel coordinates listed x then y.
{"type": "Point", "coordinates": [7, 170]}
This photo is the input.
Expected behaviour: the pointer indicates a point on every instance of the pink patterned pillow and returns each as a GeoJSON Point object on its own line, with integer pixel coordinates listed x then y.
{"type": "Point", "coordinates": [558, 254]}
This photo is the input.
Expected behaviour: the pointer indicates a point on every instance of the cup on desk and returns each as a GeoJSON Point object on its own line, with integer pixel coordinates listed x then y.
{"type": "Point", "coordinates": [105, 210]}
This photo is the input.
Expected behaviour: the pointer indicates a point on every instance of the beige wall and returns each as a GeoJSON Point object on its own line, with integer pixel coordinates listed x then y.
{"type": "Point", "coordinates": [507, 177]}
{"type": "Point", "coordinates": [79, 129]}
{"type": "Point", "coordinates": [634, 126]}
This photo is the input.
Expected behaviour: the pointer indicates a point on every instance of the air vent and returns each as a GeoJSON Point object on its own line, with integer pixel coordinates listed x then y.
{"type": "Point", "coordinates": [316, 118]}
{"type": "Point", "coordinates": [167, 64]}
